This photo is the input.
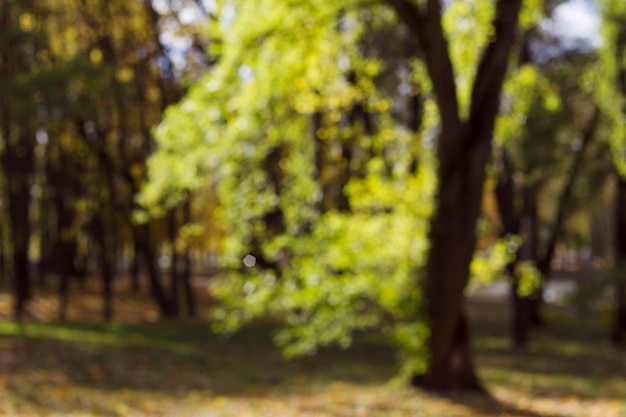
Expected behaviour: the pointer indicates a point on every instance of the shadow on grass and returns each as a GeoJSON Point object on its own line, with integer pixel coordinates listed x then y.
{"type": "Point", "coordinates": [488, 405]}
{"type": "Point", "coordinates": [184, 357]}
{"type": "Point", "coordinates": [41, 363]}
{"type": "Point", "coordinates": [570, 357]}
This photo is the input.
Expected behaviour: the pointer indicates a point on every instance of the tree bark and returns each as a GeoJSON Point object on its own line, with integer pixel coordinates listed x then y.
{"type": "Point", "coordinates": [619, 321]}
{"type": "Point", "coordinates": [452, 237]}
{"type": "Point", "coordinates": [453, 368]}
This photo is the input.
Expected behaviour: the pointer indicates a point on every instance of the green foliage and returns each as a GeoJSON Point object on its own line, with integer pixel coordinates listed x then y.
{"type": "Point", "coordinates": [470, 24]}
{"type": "Point", "coordinates": [339, 271]}
{"type": "Point", "coordinates": [353, 271]}
{"type": "Point", "coordinates": [488, 264]}
{"type": "Point", "coordinates": [273, 129]}
{"type": "Point", "coordinates": [529, 278]}
{"type": "Point", "coordinates": [609, 82]}
{"type": "Point", "coordinates": [525, 89]}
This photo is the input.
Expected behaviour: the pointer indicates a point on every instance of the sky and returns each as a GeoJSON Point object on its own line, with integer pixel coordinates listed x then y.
{"type": "Point", "coordinates": [577, 20]}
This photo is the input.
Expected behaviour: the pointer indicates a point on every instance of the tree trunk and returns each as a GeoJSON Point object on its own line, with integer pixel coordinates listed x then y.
{"type": "Point", "coordinates": [451, 367]}
{"type": "Point", "coordinates": [2, 261]}
{"type": "Point", "coordinates": [135, 284]}
{"type": "Point", "coordinates": [149, 256]}
{"type": "Point", "coordinates": [619, 322]}
{"type": "Point", "coordinates": [453, 242]}
{"type": "Point", "coordinates": [544, 263]}
{"type": "Point", "coordinates": [463, 150]}
{"type": "Point", "coordinates": [512, 222]}
{"type": "Point", "coordinates": [43, 268]}
{"type": "Point", "coordinates": [64, 259]}
{"type": "Point", "coordinates": [172, 229]}
{"type": "Point", "coordinates": [520, 316]}
{"type": "Point", "coordinates": [186, 274]}
{"type": "Point", "coordinates": [18, 163]}
{"type": "Point", "coordinates": [523, 305]}
{"type": "Point", "coordinates": [106, 264]}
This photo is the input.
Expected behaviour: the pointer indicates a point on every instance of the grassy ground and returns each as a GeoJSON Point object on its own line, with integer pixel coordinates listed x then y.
{"type": "Point", "coordinates": [138, 368]}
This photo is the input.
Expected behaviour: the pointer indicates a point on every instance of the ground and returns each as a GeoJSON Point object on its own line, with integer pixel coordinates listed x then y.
{"type": "Point", "coordinates": [142, 368]}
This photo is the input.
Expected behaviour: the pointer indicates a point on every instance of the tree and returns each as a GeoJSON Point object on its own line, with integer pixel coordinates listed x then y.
{"type": "Point", "coordinates": [464, 148]}
{"type": "Point", "coordinates": [249, 127]}
{"type": "Point", "coordinates": [20, 40]}
{"type": "Point", "coordinates": [531, 167]}
{"type": "Point", "coordinates": [83, 84]}
{"type": "Point", "coordinates": [611, 95]}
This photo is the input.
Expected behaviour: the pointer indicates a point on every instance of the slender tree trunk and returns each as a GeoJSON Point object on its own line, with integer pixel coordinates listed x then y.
{"type": "Point", "coordinates": [506, 194]}
{"type": "Point", "coordinates": [154, 278]}
{"type": "Point", "coordinates": [64, 278]}
{"type": "Point", "coordinates": [135, 284]}
{"type": "Point", "coordinates": [64, 254]}
{"type": "Point", "coordinates": [174, 275]}
{"type": "Point", "coordinates": [3, 277]}
{"type": "Point", "coordinates": [186, 278]}
{"type": "Point", "coordinates": [619, 321]}
{"type": "Point", "coordinates": [106, 264]}
{"type": "Point", "coordinates": [522, 305]}
{"type": "Point", "coordinates": [520, 314]}
{"type": "Point", "coordinates": [186, 274]}
{"type": "Point", "coordinates": [19, 163]}
{"type": "Point", "coordinates": [544, 263]}
{"type": "Point", "coordinates": [44, 242]}
{"type": "Point", "coordinates": [60, 181]}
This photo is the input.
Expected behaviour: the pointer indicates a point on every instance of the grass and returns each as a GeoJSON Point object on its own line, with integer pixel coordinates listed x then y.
{"type": "Point", "coordinates": [142, 368]}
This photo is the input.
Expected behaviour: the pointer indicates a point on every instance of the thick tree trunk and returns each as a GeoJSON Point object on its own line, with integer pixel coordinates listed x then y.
{"type": "Point", "coordinates": [451, 367]}
{"type": "Point", "coordinates": [619, 322]}
{"type": "Point", "coordinates": [453, 242]}
{"type": "Point", "coordinates": [463, 150]}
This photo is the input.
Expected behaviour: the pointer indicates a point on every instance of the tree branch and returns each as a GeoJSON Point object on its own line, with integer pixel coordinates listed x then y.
{"type": "Point", "coordinates": [485, 100]}
{"type": "Point", "coordinates": [425, 25]}
{"type": "Point", "coordinates": [557, 225]}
